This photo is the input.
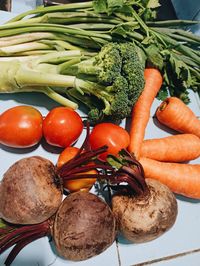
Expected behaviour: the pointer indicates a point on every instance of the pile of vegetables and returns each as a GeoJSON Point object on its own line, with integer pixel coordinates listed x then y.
{"type": "Point", "coordinates": [75, 222]}
{"type": "Point", "coordinates": [68, 33]}
{"type": "Point", "coordinates": [112, 58]}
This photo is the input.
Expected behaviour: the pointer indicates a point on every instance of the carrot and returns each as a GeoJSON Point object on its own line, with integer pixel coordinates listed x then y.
{"type": "Point", "coordinates": [141, 110]}
{"type": "Point", "coordinates": [175, 114]}
{"type": "Point", "coordinates": [182, 179]}
{"type": "Point", "coordinates": [177, 148]}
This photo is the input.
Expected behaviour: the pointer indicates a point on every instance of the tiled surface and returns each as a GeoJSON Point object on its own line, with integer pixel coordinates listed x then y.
{"type": "Point", "coordinates": [179, 246]}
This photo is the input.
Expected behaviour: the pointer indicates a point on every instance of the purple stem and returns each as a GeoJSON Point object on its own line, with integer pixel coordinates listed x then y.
{"type": "Point", "coordinates": [19, 238]}
{"type": "Point", "coordinates": [20, 245]}
{"type": "Point", "coordinates": [20, 231]}
{"type": "Point", "coordinates": [126, 178]}
{"type": "Point", "coordinates": [83, 158]}
{"type": "Point", "coordinates": [85, 168]}
{"type": "Point", "coordinates": [135, 174]}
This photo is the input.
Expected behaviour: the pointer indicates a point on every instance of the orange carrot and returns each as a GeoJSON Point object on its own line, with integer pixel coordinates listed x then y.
{"type": "Point", "coordinates": [182, 179]}
{"type": "Point", "coordinates": [175, 114]}
{"type": "Point", "coordinates": [177, 148]}
{"type": "Point", "coordinates": [141, 110]}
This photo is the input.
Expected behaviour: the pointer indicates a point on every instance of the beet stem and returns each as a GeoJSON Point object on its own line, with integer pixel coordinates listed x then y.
{"type": "Point", "coordinates": [126, 178]}
{"type": "Point", "coordinates": [20, 245]}
{"type": "Point", "coordinates": [19, 238]}
{"type": "Point", "coordinates": [67, 174]}
{"type": "Point", "coordinates": [82, 158]}
{"type": "Point", "coordinates": [136, 175]}
{"type": "Point", "coordinates": [20, 231]}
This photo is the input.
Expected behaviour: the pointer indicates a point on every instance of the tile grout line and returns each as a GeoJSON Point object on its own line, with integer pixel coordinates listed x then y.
{"type": "Point", "coordinates": [118, 253]}
{"type": "Point", "coordinates": [150, 262]}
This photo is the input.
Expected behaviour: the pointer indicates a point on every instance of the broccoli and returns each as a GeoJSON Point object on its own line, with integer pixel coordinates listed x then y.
{"type": "Point", "coordinates": [117, 81]}
{"type": "Point", "coordinates": [107, 83]}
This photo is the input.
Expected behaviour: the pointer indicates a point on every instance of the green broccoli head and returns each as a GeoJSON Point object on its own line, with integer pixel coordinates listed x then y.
{"type": "Point", "coordinates": [109, 63]}
{"type": "Point", "coordinates": [119, 81]}
{"type": "Point", "coordinates": [132, 70]}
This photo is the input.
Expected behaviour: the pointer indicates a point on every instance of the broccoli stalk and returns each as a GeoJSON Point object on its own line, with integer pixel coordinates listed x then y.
{"type": "Point", "coordinates": [39, 74]}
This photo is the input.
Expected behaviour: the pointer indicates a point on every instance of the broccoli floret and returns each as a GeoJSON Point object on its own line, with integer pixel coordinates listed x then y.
{"type": "Point", "coordinates": [106, 65]}
{"type": "Point", "coordinates": [119, 82]}
{"type": "Point", "coordinates": [132, 70]}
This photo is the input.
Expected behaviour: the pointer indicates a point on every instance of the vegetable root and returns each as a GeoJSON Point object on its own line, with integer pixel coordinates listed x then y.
{"type": "Point", "coordinates": [177, 148]}
{"type": "Point", "coordinates": [141, 110]}
{"type": "Point", "coordinates": [30, 191]}
{"type": "Point", "coordinates": [145, 218]}
{"type": "Point", "coordinates": [144, 209]}
{"type": "Point", "coordinates": [175, 114]}
{"type": "Point", "coordinates": [182, 179]}
{"type": "Point", "coordinates": [84, 227]}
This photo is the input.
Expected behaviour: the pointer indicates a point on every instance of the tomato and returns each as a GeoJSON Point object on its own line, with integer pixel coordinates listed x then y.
{"type": "Point", "coordinates": [62, 126]}
{"type": "Point", "coordinates": [114, 136]}
{"type": "Point", "coordinates": [20, 127]}
{"type": "Point", "coordinates": [83, 184]}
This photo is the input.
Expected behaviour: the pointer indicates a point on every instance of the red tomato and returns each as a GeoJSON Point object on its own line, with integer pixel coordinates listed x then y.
{"type": "Point", "coordinates": [20, 127]}
{"type": "Point", "coordinates": [62, 127]}
{"type": "Point", "coordinates": [83, 184]}
{"type": "Point", "coordinates": [114, 136]}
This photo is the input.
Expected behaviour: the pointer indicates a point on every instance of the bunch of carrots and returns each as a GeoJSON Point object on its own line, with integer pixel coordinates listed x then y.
{"type": "Point", "coordinates": [165, 159]}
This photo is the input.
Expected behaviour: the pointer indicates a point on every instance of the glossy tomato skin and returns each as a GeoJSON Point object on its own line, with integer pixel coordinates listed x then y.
{"type": "Point", "coordinates": [114, 136]}
{"type": "Point", "coordinates": [20, 127]}
{"type": "Point", "coordinates": [62, 126]}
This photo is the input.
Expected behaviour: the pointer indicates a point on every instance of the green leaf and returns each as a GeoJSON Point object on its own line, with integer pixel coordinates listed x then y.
{"type": "Point", "coordinates": [113, 4]}
{"type": "Point", "coordinates": [2, 224]}
{"type": "Point", "coordinates": [119, 31]}
{"type": "Point", "coordinates": [100, 6]}
{"type": "Point", "coordinates": [154, 56]}
{"type": "Point", "coordinates": [162, 94]}
{"type": "Point", "coordinates": [153, 4]}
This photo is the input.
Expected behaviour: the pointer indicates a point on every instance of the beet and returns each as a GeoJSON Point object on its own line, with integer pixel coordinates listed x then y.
{"type": "Point", "coordinates": [30, 191]}
{"type": "Point", "coordinates": [145, 217]}
{"type": "Point", "coordinates": [83, 227]}
{"type": "Point", "coordinates": [145, 208]}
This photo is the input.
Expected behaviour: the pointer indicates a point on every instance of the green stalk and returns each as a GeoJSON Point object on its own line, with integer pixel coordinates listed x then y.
{"type": "Point", "coordinates": [96, 26]}
{"type": "Point", "coordinates": [180, 47]}
{"type": "Point", "coordinates": [64, 66]}
{"type": "Point", "coordinates": [180, 38]}
{"type": "Point", "coordinates": [18, 48]}
{"type": "Point", "coordinates": [43, 10]}
{"type": "Point", "coordinates": [26, 77]}
{"type": "Point", "coordinates": [58, 98]}
{"type": "Point", "coordinates": [26, 37]}
{"type": "Point", "coordinates": [59, 18]}
{"type": "Point", "coordinates": [33, 53]}
{"type": "Point", "coordinates": [179, 32]}
{"type": "Point", "coordinates": [59, 57]}
{"type": "Point", "coordinates": [87, 20]}
{"type": "Point", "coordinates": [96, 90]}
{"type": "Point", "coordinates": [54, 28]}
{"type": "Point", "coordinates": [172, 23]}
